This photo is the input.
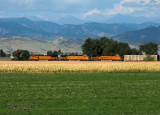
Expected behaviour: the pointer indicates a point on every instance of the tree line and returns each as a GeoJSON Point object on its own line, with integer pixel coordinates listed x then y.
{"type": "Point", "coordinates": [108, 47]}
{"type": "Point", "coordinates": [20, 54]}
{"type": "Point", "coordinates": [96, 47]}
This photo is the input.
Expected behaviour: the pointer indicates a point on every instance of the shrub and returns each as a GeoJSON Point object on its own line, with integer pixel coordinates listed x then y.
{"type": "Point", "coordinates": [149, 58]}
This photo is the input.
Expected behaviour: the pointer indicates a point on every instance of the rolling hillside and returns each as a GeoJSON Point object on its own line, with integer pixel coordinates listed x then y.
{"type": "Point", "coordinates": [40, 46]}
{"type": "Point", "coordinates": [150, 34]}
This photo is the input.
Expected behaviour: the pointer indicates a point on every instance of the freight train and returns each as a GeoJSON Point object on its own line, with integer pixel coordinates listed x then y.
{"type": "Point", "coordinates": [80, 58]}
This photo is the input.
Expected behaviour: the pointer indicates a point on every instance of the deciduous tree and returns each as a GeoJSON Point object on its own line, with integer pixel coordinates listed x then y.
{"type": "Point", "coordinates": [21, 54]}
{"type": "Point", "coordinates": [2, 53]}
{"type": "Point", "coordinates": [149, 48]}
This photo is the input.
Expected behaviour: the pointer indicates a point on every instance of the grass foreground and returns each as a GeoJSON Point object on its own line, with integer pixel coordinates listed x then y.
{"type": "Point", "coordinates": [83, 93]}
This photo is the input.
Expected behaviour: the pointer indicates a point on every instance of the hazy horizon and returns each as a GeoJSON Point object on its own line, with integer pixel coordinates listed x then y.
{"type": "Point", "coordinates": [81, 11]}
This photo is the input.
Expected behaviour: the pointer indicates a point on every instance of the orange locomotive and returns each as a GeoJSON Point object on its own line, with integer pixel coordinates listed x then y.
{"type": "Point", "coordinates": [34, 57]}
{"type": "Point", "coordinates": [116, 57]}
{"type": "Point", "coordinates": [84, 57]}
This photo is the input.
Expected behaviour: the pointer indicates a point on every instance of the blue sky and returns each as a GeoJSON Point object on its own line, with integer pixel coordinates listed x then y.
{"type": "Point", "coordinates": [83, 9]}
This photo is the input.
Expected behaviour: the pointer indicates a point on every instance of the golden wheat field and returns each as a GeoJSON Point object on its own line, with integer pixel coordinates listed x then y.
{"type": "Point", "coordinates": [76, 66]}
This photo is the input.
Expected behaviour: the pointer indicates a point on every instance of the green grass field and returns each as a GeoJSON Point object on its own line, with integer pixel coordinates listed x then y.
{"type": "Point", "coordinates": [85, 93]}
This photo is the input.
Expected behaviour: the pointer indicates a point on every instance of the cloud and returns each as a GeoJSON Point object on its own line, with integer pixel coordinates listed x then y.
{"type": "Point", "coordinates": [79, 8]}
{"type": "Point", "coordinates": [91, 12]}
{"type": "Point", "coordinates": [147, 8]}
{"type": "Point", "coordinates": [157, 2]}
{"type": "Point", "coordinates": [119, 9]}
{"type": "Point", "coordinates": [128, 7]}
{"type": "Point", "coordinates": [142, 2]}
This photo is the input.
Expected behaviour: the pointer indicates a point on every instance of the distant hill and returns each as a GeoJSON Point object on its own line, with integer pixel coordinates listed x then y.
{"type": "Point", "coordinates": [150, 34]}
{"type": "Point", "coordinates": [24, 27]}
{"type": "Point", "coordinates": [130, 19]}
{"type": "Point", "coordinates": [40, 46]}
{"type": "Point", "coordinates": [69, 20]}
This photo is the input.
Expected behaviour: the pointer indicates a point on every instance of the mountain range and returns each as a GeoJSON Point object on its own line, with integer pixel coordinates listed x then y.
{"type": "Point", "coordinates": [41, 36]}
{"type": "Point", "coordinates": [24, 27]}
{"type": "Point", "coordinates": [119, 18]}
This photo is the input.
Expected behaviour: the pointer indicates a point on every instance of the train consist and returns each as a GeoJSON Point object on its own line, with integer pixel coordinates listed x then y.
{"type": "Point", "coordinates": [81, 58]}
{"type": "Point", "coordinates": [95, 58]}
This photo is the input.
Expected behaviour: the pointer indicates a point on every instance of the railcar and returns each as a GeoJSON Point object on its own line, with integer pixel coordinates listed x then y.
{"type": "Point", "coordinates": [139, 57]}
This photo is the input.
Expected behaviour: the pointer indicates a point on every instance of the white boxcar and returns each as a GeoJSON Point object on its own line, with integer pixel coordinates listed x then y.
{"type": "Point", "coordinates": [137, 57]}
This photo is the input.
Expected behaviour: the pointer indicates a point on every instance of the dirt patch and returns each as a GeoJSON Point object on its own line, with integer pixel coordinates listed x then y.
{"type": "Point", "coordinates": [5, 59]}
